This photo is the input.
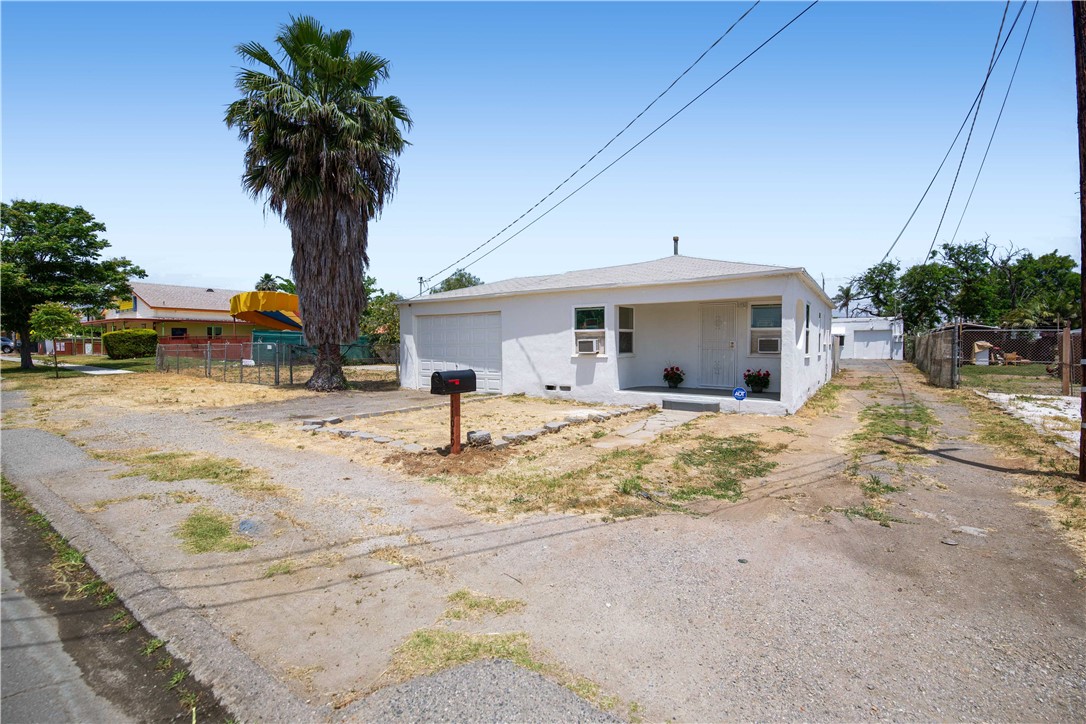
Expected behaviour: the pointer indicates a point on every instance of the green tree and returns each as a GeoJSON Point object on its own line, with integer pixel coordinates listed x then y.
{"type": "Point", "coordinates": [381, 318]}
{"type": "Point", "coordinates": [845, 296]}
{"type": "Point", "coordinates": [321, 152]}
{"type": "Point", "coordinates": [52, 253]}
{"type": "Point", "coordinates": [267, 283]}
{"type": "Point", "coordinates": [51, 320]}
{"type": "Point", "coordinates": [878, 286]}
{"type": "Point", "coordinates": [459, 279]}
{"type": "Point", "coordinates": [286, 285]}
{"type": "Point", "coordinates": [924, 292]}
{"type": "Point", "coordinates": [974, 295]}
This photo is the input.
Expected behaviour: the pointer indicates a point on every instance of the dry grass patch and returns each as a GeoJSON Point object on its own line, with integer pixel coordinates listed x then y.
{"type": "Point", "coordinates": [100, 505]}
{"type": "Point", "coordinates": [395, 556]}
{"type": "Point", "coordinates": [471, 605]}
{"type": "Point", "coordinates": [689, 462]}
{"type": "Point", "coordinates": [1020, 444]}
{"type": "Point", "coordinates": [207, 530]}
{"type": "Point", "coordinates": [826, 399]}
{"type": "Point", "coordinates": [169, 467]}
{"type": "Point", "coordinates": [147, 391]}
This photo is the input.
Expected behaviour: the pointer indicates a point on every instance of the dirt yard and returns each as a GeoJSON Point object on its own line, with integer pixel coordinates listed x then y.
{"type": "Point", "coordinates": [893, 551]}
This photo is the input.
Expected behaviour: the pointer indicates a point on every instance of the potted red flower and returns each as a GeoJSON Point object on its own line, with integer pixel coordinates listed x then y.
{"type": "Point", "coordinates": [756, 380]}
{"type": "Point", "coordinates": [674, 376]}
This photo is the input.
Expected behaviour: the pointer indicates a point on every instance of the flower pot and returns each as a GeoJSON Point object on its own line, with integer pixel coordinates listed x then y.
{"type": "Point", "coordinates": [672, 385]}
{"type": "Point", "coordinates": [758, 388]}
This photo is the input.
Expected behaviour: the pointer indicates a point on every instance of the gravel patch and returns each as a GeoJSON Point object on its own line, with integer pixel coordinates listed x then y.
{"type": "Point", "coordinates": [483, 691]}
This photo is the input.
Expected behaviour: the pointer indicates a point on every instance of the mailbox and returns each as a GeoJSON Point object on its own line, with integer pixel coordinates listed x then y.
{"type": "Point", "coordinates": [452, 382]}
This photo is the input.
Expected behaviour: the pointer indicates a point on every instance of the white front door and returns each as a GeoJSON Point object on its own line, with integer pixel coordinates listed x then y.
{"type": "Point", "coordinates": [717, 345]}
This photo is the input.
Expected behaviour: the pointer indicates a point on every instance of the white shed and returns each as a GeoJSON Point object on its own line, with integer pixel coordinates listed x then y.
{"type": "Point", "coordinates": [606, 335]}
{"type": "Point", "coordinates": [870, 337]}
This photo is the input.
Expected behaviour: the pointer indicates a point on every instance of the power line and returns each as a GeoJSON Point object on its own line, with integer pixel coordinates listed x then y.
{"type": "Point", "coordinates": [604, 146]}
{"type": "Point", "coordinates": [976, 113]}
{"type": "Point", "coordinates": [645, 138]}
{"type": "Point", "coordinates": [991, 138]}
{"type": "Point", "coordinates": [954, 142]}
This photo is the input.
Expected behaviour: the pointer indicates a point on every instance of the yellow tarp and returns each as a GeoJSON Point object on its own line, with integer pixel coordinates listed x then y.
{"type": "Point", "coordinates": [271, 310]}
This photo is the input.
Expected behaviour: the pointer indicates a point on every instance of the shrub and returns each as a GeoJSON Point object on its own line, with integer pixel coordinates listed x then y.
{"type": "Point", "coordinates": [129, 343]}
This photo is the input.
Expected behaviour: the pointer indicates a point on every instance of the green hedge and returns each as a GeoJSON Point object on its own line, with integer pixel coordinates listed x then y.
{"type": "Point", "coordinates": [129, 343]}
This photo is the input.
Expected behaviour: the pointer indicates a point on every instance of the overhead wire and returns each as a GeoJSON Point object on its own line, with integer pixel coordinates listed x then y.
{"type": "Point", "coordinates": [604, 147]}
{"type": "Point", "coordinates": [976, 114]}
{"type": "Point", "coordinates": [954, 142]}
{"type": "Point", "coordinates": [644, 138]}
{"type": "Point", "coordinates": [999, 117]}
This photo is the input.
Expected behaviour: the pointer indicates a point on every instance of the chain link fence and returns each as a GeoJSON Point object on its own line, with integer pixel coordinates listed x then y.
{"type": "Point", "coordinates": [1011, 361]}
{"type": "Point", "coordinates": [936, 354]}
{"type": "Point", "coordinates": [261, 363]}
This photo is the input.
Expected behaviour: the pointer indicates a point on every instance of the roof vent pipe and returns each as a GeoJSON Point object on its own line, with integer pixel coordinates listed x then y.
{"type": "Point", "coordinates": [676, 240]}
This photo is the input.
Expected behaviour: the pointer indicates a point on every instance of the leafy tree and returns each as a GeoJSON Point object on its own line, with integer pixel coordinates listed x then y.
{"type": "Point", "coordinates": [51, 320]}
{"type": "Point", "coordinates": [381, 318]}
{"type": "Point", "coordinates": [878, 286]}
{"type": "Point", "coordinates": [974, 294]}
{"type": "Point", "coordinates": [459, 279]}
{"type": "Point", "coordinates": [925, 291]}
{"type": "Point", "coordinates": [286, 285]}
{"type": "Point", "coordinates": [845, 296]}
{"type": "Point", "coordinates": [52, 253]}
{"type": "Point", "coordinates": [321, 152]}
{"type": "Point", "coordinates": [267, 283]}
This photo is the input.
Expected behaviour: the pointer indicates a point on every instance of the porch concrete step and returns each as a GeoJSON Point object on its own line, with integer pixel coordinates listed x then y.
{"type": "Point", "coordinates": [691, 406]}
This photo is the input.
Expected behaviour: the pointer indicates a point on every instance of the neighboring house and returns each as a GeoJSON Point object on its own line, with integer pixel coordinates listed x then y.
{"type": "Point", "coordinates": [606, 335]}
{"type": "Point", "coordinates": [870, 337]}
{"type": "Point", "coordinates": [179, 314]}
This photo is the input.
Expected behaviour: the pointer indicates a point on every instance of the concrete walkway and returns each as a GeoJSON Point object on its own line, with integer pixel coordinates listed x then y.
{"type": "Point", "coordinates": [41, 682]}
{"type": "Point", "coordinates": [642, 432]}
{"type": "Point", "coordinates": [85, 369]}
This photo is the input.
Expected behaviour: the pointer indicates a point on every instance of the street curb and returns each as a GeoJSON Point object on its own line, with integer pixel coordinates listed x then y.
{"type": "Point", "coordinates": [244, 687]}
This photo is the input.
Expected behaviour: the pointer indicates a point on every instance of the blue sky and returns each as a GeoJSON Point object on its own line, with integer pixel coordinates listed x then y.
{"type": "Point", "coordinates": [812, 154]}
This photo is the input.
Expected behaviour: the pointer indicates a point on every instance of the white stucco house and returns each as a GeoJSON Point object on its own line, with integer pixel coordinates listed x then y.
{"type": "Point", "coordinates": [870, 337]}
{"type": "Point", "coordinates": [606, 335]}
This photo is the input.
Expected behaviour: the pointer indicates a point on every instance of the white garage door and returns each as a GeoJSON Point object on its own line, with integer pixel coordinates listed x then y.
{"type": "Point", "coordinates": [871, 344]}
{"type": "Point", "coordinates": [461, 341]}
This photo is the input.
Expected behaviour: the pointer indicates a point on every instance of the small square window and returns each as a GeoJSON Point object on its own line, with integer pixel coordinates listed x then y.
{"type": "Point", "coordinates": [588, 318]}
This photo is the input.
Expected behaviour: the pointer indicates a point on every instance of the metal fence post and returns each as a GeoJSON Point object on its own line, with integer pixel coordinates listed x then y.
{"type": "Point", "coordinates": [278, 347]}
{"type": "Point", "coordinates": [955, 351]}
{"type": "Point", "coordinates": [290, 361]}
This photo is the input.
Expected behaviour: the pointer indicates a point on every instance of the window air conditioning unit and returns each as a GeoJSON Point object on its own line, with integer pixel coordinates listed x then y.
{"type": "Point", "coordinates": [588, 346]}
{"type": "Point", "coordinates": [769, 345]}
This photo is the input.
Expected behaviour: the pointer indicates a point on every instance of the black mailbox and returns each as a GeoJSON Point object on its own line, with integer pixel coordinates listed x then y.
{"type": "Point", "coordinates": [452, 382]}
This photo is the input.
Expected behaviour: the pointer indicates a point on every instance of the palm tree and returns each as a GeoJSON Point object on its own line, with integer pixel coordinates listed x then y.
{"type": "Point", "coordinates": [844, 297]}
{"type": "Point", "coordinates": [321, 150]}
{"type": "Point", "coordinates": [267, 283]}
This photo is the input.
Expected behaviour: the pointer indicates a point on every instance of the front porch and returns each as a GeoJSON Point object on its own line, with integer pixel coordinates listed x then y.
{"type": "Point", "coordinates": [703, 398]}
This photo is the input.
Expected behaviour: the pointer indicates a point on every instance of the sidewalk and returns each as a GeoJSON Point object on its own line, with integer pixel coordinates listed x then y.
{"type": "Point", "coordinates": [85, 369]}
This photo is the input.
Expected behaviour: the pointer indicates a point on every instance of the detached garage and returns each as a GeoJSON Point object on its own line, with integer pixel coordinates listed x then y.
{"type": "Point", "coordinates": [461, 341]}
{"type": "Point", "coordinates": [870, 337]}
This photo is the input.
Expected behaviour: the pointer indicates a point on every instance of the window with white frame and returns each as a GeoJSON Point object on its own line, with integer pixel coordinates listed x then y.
{"type": "Point", "coordinates": [588, 330]}
{"type": "Point", "coordinates": [807, 330]}
{"type": "Point", "coordinates": [765, 329]}
{"type": "Point", "coordinates": [625, 330]}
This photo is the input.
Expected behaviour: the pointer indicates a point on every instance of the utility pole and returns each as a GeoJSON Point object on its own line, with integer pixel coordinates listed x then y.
{"type": "Point", "coordinates": [1078, 21]}
{"type": "Point", "coordinates": [420, 286]}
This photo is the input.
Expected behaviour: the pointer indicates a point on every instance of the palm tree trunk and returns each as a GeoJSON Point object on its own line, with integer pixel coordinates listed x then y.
{"type": "Point", "coordinates": [328, 370]}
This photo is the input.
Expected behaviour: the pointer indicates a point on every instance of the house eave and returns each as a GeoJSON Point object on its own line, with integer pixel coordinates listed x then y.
{"type": "Point", "coordinates": [797, 271]}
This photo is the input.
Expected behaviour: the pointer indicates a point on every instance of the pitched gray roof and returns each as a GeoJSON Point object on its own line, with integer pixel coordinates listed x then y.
{"type": "Point", "coordinates": [173, 296]}
{"type": "Point", "coordinates": [670, 269]}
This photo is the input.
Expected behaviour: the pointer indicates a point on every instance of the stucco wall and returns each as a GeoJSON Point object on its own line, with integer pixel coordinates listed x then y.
{"type": "Point", "coordinates": [538, 339]}
{"type": "Point", "coordinates": [850, 324]}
